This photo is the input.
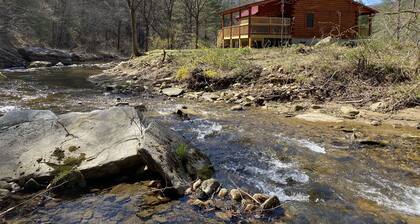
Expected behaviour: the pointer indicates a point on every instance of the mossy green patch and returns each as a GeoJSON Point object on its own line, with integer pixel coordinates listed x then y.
{"type": "Point", "coordinates": [73, 148]}
{"type": "Point", "coordinates": [68, 166]}
{"type": "Point", "coordinates": [205, 172]}
{"type": "Point", "coordinates": [181, 151]}
{"type": "Point", "coordinates": [59, 154]}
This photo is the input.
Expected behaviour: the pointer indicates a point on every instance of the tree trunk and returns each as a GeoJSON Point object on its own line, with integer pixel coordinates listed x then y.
{"type": "Point", "coordinates": [197, 30]}
{"type": "Point", "coordinates": [119, 36]}
{"type": "Point", "coordinates": [134, 44]}
{"type": "Point", "coordinates": [146, 41]}
{"type": "Point", "coordinates": [170, 34]}
{"type": "Point", "coordinates": [398, 31]}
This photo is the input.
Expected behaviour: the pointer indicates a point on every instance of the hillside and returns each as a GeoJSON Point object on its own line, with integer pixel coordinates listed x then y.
{"type": "Point", "coordinates": [372, 72]}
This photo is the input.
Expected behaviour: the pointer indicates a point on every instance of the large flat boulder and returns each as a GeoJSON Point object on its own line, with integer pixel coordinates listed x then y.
{"type": "Point", "coordinates": [116, 141]}
{"type": "Point", "coordinates": [53, 56]}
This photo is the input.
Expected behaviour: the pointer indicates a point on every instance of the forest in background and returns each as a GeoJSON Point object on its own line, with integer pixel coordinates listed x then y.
{"type": "Point", "coordinates": [104, 25]}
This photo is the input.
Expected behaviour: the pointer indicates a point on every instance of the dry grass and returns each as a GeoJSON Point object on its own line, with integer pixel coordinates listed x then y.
{"type": "Point", "coordinates": [373, 71]}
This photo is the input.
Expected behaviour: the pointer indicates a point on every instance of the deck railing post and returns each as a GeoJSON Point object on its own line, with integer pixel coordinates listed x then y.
{"type": "Point", "coordinates": [231, 30]}
{"type": "Point", "coordinates": [223, 30]}
{"type": "Point", "coordinates": [249, 28]}
{"type": "Point", "coordinates": [240, 21]}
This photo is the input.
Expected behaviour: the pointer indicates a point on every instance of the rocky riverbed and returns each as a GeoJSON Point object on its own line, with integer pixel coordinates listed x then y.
{"type": "Point", "coordinates": [329, 171]}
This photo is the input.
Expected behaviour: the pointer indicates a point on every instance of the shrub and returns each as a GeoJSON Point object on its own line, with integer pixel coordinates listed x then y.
{"type": "Point", "coordinates": [215, 62]}
{"type": "Point", "coordinates": [183, 72]}
{"type": "Point", "coordinates": [211, 74]}
{"type": "Point", "coordinates": [181, 151]}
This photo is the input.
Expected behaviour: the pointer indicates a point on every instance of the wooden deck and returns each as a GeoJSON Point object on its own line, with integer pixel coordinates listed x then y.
{"type": "Point", "coordinates": [252, 29]}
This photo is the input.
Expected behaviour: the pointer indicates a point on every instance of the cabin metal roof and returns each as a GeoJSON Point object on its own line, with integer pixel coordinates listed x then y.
{"type": "Point", "coordinates": [246, 6]}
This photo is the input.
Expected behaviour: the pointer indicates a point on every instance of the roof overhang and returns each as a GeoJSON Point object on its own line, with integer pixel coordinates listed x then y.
{"type": "Point", "coordinates": [247, 6]}
{"type": "Point", "coordinates": [366, 9]}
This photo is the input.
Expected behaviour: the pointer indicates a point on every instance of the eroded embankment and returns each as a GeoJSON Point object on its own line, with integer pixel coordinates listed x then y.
{"type": "Point", "coordinates": [373, 77]}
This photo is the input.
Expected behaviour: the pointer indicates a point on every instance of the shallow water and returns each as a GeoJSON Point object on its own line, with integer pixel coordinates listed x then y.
{"type": "Point", "coordinates": [316, 170]}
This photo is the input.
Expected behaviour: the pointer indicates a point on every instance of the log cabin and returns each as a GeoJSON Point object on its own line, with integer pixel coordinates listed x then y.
{"type": "Point", "coordinates": [271, 23]}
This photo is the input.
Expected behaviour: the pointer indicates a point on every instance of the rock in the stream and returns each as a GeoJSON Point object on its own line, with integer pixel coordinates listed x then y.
{"type": "Point", "coordinates": [202, 204]}
{"type": "Point", "coordinates": [188, 191]}
{"type": "Point", "coordinates": [210, 186]}
{"type": "Point", "coordinates": [59, 64]}
{"type": "Point", "coordinates": [196, 184]}
{"type": "Point", "coordinates": [235, 194]}
{"type": "Point", "coordinates": [270, 203]}
{"type": "Point", "coordinates": [297, 108]}
{"type": "Point", "coordinates": [210, 96]}
{"type": "Point", "coordinates": [349, 111]}
{"type": "Point", "coordinates": [377, 106]}
{"type": "Point", "coordinates": [375, 123]}
{"type": "Point", "coordinates": [223, 192]}
{"type": "Point", "coordinates": [200, 194]}
{"type": "Point", "coordinates": [172, 92]}
{"type": "Point", "coordinates": [99, 143]}
{"type": "Point", "coordinates": [237, 108]}
{"type": "Point", "coordinates": [250, 208]}
{"type": "Point", "coordinates": [40, 64]}
{"type": "Point", "coordinates": [319, 117]}
{"type": "Point", "coordinates": [261, 198]}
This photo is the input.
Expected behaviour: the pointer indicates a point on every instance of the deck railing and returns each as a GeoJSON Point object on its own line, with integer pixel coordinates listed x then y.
{"type": "Point", "coordinates": [259, 26]}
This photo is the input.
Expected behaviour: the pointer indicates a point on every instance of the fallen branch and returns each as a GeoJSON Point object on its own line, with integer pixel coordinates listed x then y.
{"type": "Point", "coordinates": [243, 192]}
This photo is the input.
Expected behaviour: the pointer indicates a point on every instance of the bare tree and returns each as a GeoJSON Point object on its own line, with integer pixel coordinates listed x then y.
{"type": "Point", "coordinates": [195, 8]}
{"type": "Point", "coordinates": [398, 28]}
{"type": "Point", "coordinates": [169, 11]}
{"type": "Point", "coordinates": [133, 5]}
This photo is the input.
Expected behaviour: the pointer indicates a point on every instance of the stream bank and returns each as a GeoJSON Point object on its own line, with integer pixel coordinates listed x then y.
{"type": "Point", "coordinates": [345, 172]}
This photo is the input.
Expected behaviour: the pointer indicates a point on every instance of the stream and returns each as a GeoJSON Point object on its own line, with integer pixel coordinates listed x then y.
{"type": "Point", "coordinates": [318, 171]}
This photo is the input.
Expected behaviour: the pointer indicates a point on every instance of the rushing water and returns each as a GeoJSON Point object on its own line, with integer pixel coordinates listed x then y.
{"type": "Point", "coordinates": [316, 172]}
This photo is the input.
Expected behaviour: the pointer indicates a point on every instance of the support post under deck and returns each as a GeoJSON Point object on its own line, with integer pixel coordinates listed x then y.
{"type": "Point", "coordinates": [231, 30]}
{"type": "Point", "coordinates": [249, 28]}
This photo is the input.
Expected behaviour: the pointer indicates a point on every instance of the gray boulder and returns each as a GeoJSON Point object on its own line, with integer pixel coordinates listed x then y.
{"type": "Point", "coordinates": [172, 92]}
{"type": "Point", "coordinates": [43, 54]}
{"type": "Point", "coordinates": [210, 186]}
{"type": "Point", "coordinates": [40, 64]}
{"type": "Point", "coordinates": [349, 111]}
{"type": "Point", "coordinates": [101, 143]}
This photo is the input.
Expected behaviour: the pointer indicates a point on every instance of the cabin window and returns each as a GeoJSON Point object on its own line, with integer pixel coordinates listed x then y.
{"type": "Point", "coordinates": [310, 17]}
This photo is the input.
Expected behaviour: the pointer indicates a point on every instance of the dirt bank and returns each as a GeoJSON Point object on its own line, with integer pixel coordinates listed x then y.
{"type": "Point", "coordinates": [372, 83]}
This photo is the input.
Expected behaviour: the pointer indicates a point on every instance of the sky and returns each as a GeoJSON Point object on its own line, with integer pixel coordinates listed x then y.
{"type": "Point", "coordinates": [372, 2]}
